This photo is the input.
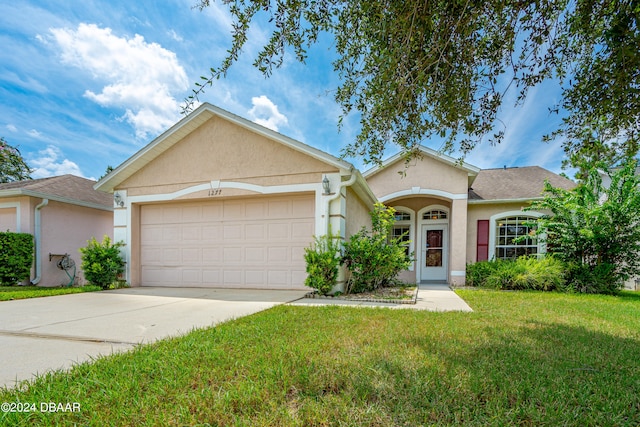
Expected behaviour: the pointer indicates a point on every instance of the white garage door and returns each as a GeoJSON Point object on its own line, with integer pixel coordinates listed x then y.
{"type": "Point", "coordinates": [250, 243]}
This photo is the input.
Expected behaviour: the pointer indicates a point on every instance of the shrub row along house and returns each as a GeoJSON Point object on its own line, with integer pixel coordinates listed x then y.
{"type": "Point", "coordinates": [219, 201]}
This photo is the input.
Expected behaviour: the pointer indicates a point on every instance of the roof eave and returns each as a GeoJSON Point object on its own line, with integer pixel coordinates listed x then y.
{"type": "Point", "coordinates": [490, 201]}
{"type": "Point", "coordinates": [363, 190]}
{"type": "Point", "coordinates": [40, 195]}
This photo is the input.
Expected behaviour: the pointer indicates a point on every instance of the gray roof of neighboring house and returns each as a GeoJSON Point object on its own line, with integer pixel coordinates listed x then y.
{"type": "Point", "coordinates": [514, 183]}
{"type": "Point", "coordinates": [64, 188]}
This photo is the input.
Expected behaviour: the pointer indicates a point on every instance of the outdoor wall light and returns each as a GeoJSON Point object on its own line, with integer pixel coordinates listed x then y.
{"type": "Point", "coordinates": [118, 199]}
{"type": "Point", "coordinates": [326, 185]}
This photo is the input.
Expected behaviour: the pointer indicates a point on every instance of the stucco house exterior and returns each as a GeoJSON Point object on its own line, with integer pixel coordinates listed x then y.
{"type": "Point", "coordinates": [62, 213]}
{"type": "Point", "coordinates": [219, 201]}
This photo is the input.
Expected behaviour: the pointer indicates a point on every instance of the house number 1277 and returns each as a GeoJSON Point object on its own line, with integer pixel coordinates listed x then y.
{"type": "Point", "coordinates": [215, 192]}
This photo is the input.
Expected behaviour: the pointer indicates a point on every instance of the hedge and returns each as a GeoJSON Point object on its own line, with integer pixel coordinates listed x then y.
{"type": "Point", "coordinates": [16, 257]}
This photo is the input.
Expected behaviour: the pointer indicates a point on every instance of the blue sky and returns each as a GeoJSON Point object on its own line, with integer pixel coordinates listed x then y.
{"type": "Point", "coordinates": [84, 85]}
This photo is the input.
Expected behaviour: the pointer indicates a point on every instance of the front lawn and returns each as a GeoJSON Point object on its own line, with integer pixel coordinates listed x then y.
{"type": "Point", "coordinates": [521, 358]}
{"type": "Point", "coordinates": [8, 293]}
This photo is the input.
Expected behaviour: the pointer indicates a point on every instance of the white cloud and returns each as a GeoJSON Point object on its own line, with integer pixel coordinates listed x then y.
{"type": "Point", "coordinates": [48, 163]}
{"type": "Point", "coordinates": [177, 37]}
{"type": "Point", "coordinates": [264, 112]}
{"type": "Point", "coordinates": [34, 133]}
{"type": "Point", "coordinates": [140, 77]}
{"type": "Point", "coordinates": [11, 128]}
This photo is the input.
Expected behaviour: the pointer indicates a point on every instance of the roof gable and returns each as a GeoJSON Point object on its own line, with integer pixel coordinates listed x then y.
{"type": "Point", "coordinates": [188, 125]}
{"type": "Point", "coordinates": [425, 151]}
{"type": "Point", "coordinates": [471, 170]}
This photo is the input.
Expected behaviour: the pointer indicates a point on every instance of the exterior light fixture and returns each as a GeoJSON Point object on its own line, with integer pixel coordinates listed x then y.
{"type": "Point", "coordinates": [326, 185]}
{"type": "Point", "coordinates": [117, 197]}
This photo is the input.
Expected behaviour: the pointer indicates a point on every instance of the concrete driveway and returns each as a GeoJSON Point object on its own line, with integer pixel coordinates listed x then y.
{"type": "Point", "coordinates": [42, 334]}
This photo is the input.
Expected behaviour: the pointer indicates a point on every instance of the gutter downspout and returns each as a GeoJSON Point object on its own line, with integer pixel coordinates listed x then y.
{"type": "Point", "coordinates": [340, 285]}
{"type": "Point", "coordinates": [38, 241]}
{"type": "Point", "coordinates": [338, 193]}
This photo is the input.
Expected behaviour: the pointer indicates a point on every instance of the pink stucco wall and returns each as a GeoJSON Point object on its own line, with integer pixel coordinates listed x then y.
{"type": "Point", "coordinates": [8, 219]}
{"type": "Point", "coordinates": [65, 229]}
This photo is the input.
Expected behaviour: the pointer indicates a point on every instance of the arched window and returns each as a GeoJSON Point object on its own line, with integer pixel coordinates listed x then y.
{"type": "Point", "coordinates": [515, 236]}
{"type": "Point", "coordinates": [434, 214]}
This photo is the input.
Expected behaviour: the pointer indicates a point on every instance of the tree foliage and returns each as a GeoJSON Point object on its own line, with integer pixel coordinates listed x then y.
{"type": "Point", "coordinates": [12, 165]}
{"type": "Point", "coordinates": [417, 69]}
{"type": "Point", "coordinates": [16, 257]}
{"type": "Point", "coordinates": [595, 227]}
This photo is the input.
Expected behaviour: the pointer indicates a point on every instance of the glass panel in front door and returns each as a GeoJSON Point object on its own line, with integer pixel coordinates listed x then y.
{"type": "Point", "coordinates": [433, 256]}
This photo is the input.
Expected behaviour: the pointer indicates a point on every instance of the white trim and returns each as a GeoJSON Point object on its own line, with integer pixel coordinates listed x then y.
{"type": "Point", "coordinates": [425, 225]}
{"type": "Point", "coordinates": [458, 273]}
{"type": "Point", "coordinates": [439, 222]}
{"type": "Point", "coordinates": [16, 205]}
{"type": "Point", "coordinates": [270, 189]}
{"type": "Point", "coordinates": [492, 229]}
{"type": "Point", "coordinates": [425, 192]}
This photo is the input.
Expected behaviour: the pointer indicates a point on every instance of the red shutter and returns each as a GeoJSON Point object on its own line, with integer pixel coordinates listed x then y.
{"type": "Point", "coordinates": [482, 253]}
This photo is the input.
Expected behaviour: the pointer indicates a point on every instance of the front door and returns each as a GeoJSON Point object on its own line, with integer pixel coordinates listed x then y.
{"type": "Point", "coordinates": [434, 252]}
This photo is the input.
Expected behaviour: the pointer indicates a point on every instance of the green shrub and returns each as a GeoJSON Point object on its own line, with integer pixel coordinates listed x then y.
{"type": "Point", "coordinates": [16, 257]}
{"type": "Point", "coordinates": [594, 279]}
{"type": "Point", "coordinates": [101, 262]}
{"type": "Point", "coordinates": [373, 258]}
{"type": "Point", "coordinates": [524, 273]}
{"type": "Point", "coordinates": [323, 261]}
{"type": "Point", "coordinates": [478, 272]}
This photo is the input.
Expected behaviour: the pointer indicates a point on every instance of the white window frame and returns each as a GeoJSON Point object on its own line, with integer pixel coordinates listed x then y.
{"type": "Point", "coordinates": [411, 223]}
{"type": "Point", "coordinates": [542, 248]}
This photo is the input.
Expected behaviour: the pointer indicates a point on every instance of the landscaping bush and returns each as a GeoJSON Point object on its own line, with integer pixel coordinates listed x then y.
{"type": "Point", "coordinates": [101, 262]}
{"type": "Point", "coordinates": [524, 273]}
{"type": "Point", "coordinates": [478, 272]}
{"type": "Point", "coordinates": [373, 258]}
{"type": "Point", "coordinates": [16, 257]}
{"type": "Point", "coordinates": [598, 279]}
{"type": "Point", "coordinates": [323, 261]}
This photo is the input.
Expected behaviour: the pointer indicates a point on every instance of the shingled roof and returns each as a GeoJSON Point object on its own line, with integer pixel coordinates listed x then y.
{"type": "Point", "coordinates": [514, 183]}
{"type": "Point", "coordinates": [65, 188]}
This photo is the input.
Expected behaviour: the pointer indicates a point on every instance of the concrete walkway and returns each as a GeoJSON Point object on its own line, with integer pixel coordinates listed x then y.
{"type": "Point", "coordinates": [43, 334]}
{"type": "Point", "coordinates": [431, 297]}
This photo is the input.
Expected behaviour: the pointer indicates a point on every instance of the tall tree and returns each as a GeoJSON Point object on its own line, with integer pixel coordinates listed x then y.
{"type": "Point", "coordinates": [12, 166]}
{"type": "Point", "coordinates": [415, 69]}
{"type": "Point", "coordinates": [595, 227]}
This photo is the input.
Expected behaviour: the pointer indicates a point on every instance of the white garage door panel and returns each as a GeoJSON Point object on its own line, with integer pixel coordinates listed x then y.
{"type": "Point", "coordinates": [253, 243]}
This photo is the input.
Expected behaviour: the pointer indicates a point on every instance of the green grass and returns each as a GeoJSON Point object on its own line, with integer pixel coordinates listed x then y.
{"type": "Point", "coordinates": [8, 293]}
{"type": "Point", "coordinates": [521, 358]}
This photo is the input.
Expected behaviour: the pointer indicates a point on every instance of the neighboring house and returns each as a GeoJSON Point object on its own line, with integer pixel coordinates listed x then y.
{"type": "Point", "coordinates": [62, 213]}
{"type": "Point", "coordinates": [219, 201]}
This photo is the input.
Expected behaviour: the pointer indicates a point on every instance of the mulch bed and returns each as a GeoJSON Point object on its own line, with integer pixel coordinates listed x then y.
{"type": "Point", "coordinates": [393, 295]}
